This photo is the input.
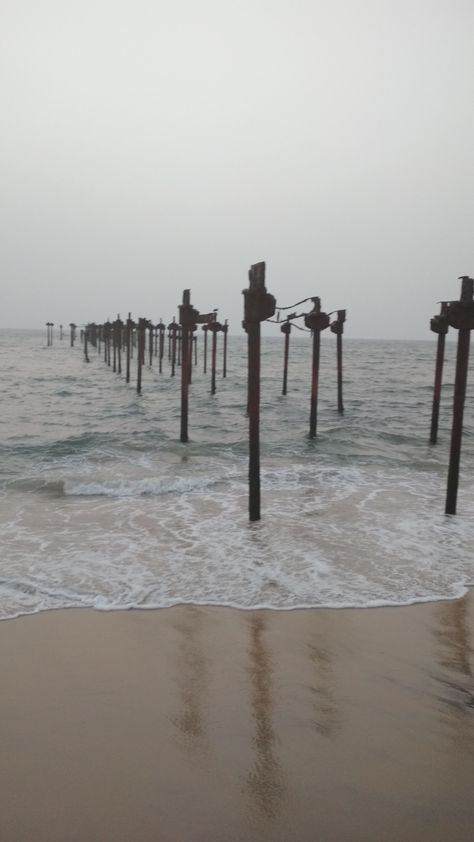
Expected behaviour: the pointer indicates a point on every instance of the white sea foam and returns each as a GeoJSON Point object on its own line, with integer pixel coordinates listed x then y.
{"type": "Point", "coordinates": [136, 488]}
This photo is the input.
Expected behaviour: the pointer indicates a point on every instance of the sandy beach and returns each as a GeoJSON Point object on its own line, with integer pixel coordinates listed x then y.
{"type": "Point", "coordinates": [202, 724]}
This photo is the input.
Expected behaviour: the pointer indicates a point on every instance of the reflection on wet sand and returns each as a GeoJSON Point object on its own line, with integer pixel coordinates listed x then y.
{"type": "Point", "coordinates": [454, 658]}
{"type": "Point", "coordinates": [326, 717]}
{"type": "Point", "coordinates": [265, 781]}
{"type": "Point", "coordinates": [193, 676]}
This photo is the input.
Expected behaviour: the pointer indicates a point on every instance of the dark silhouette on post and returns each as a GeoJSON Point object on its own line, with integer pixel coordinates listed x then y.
{"type": "Point", "coordinates": [337, 327]}
{"type": "Point", "coordinates": [258, 306]}
{"type": "Point", "coordinates": [461, 317]}
{"type": "Point", "coordinates": [438, 324]}
{"type": "Point", "coordinates": [315, 321]}
{"type": "Point", "coordinates": [286, 330]}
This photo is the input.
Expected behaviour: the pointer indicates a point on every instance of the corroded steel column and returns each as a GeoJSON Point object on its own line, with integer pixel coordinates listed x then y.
{"type": "Point", "coordinates": [439, 325]}
{"type": "Point", "coordinates": [461, 317]}
{"type": "Point", "coordinates": [258, 306]}
{"type": "Point", "coordinates": [317, 322]}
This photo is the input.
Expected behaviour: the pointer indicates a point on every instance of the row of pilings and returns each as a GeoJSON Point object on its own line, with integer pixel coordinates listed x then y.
{"type": "Point", "coordinates": [119, 341]}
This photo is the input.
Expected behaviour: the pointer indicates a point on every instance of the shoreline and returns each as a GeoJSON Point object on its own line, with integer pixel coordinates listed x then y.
{"type": "Point", "coordinates": [232, 607]}
{"type": "Point", "coordinates": [215, 723]}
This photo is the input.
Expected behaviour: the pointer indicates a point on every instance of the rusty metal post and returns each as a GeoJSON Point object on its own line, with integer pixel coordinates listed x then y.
{"type": "Point", "coordinates": [214, 327]}
{"type": "Point", "coordinates": [205, 329]}
{"type": "Point", "coordinates": [128, 346]}
{"type": "Point", "coordinates": [119, 329]}
{"type": "Point", "coordinates": [172, 328]}
{"type": "Point", "coordinates": [114, 346]}
{"type": "Point", "coordinates": [141, 330]}
{"type": "Point", "coordinates": [186, 314]}
{"type": "Point", "coordinates": [439, 325]}
{"type": "Point", "coordinates": [150, 344]}
{"type": "Point", "coordinates": [108, 342]}
{"type": "Point", "coordinates": [86, 355]}
{"type": "Point", "coordinates": [258, 306]}
{"type": "Point", "coordinates": [460, 316]}
{"type": "Point", "coordinates": [161, 328]}
{"type": "Point", "coordinates": [178, 347]}
{"type": "Point", "coordinates": [337, 327]}
{"type": "Point", "coordinates": [315, 321]}
{"type": "Point", "coordinates": [189, 318]}
{"type": "Point", "coordinates": [192, 340]}
{"type": "Point", "coordinates": [286, 329]}
{"type": "Point", "coordinates": [225, 329]}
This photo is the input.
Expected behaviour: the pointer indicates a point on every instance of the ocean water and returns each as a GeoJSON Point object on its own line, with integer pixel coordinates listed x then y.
{"type": "Point", "coordinates": [102, 506]}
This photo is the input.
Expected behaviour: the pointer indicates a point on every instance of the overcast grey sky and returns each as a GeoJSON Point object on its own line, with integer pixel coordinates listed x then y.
{"type": "Point", "coordinates": [152, 145]}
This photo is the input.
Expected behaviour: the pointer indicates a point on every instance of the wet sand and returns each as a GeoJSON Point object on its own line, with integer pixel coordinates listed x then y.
{"type": "Point", "coordinates": [214, 724]}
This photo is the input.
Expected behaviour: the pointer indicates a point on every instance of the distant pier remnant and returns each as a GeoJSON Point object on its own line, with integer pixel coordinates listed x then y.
{"type": "Point", "coordinates": [316, 321]}
{"type": "Point", "coordinates": [60, 331]}
{"type": "Point", "coordinates": [337, 327]}
{"type": "Point", "coordinates": [49, 333]}
{"type": "Point", "coordinates": [72, 328]}
{"type": "Point", "coordinates": [259, 305]}
{"type": "Point", "coordinates": [438, 324]}
{"type": "Point", "coordinates": [461, 317]}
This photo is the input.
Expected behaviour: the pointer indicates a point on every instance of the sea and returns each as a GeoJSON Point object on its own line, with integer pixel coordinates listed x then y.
{"type": "Point", "coordinates": [102, 506]}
